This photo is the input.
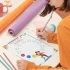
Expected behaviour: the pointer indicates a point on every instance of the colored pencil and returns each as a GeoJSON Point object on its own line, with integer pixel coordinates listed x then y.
{"type": "Point", "coordinates": [4, 65]}
{"type": "Point", "coordinates": [9, 61]}
{"type": "Point", "coordinates": [6, 62]}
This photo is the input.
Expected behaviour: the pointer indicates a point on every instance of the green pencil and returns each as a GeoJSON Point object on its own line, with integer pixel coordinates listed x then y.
{"type": "Point", "coordinates": [6, 62]}
{"type": "Point", "coordinates": [4, 65]}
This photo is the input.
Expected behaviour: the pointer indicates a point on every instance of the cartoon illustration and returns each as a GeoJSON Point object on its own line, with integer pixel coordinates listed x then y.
{"type": "Point", "coordinates": [38, 53]}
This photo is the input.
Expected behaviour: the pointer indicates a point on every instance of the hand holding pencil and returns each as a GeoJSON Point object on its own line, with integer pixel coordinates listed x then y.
{"type": "Point", "coordinates": [42, 34]}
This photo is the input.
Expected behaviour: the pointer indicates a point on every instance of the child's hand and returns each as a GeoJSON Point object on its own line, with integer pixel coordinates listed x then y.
{"type": "Point", "coordinates": [22, 64]}
{"type": "Point", "coordinates": [42, 33]}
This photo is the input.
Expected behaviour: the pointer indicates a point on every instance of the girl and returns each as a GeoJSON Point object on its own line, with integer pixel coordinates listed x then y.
{"type": "Point", "coordinates": [62, 37]}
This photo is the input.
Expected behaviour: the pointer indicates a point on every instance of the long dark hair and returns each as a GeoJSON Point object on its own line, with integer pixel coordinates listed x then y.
{"type": "Point", "coordinates": [48, 8]}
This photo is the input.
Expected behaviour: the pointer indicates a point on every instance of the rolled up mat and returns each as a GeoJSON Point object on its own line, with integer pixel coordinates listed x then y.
{"type": "Point", "coordinates": [27, 16]}
{"type": "Point", "coordinates": [14, 14]}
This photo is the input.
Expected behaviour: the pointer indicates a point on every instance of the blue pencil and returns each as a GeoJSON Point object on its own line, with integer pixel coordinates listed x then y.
{"type": "Point", "coordinates": [4, 65]}
{"type": "Point", "coordinates": [6, 62]}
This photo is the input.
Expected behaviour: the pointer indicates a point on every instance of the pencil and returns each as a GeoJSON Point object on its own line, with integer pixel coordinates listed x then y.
{"type": "Point", "coordinates": [6, 62]}
{"type": "Point", "coordinates": [9, 61]}
{"type": "Point", "coordinates": [47, 21]}
{"type": "Point", "coordinates": [4, 65]}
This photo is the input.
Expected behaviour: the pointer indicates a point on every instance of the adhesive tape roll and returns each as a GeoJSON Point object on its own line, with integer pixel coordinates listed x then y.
{"type": "Point", "coordinates": [51, 28]}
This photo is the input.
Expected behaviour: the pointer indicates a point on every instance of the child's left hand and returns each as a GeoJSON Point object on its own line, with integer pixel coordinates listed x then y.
{"type": "Point", "coordinates": [22, 64]}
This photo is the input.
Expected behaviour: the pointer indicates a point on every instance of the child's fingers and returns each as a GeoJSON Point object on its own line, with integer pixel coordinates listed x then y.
{"type": "Point", "coordinates": [19, 65]}
{"type": "Point", "coordinates": [19, 61]}
{"type": "Point", "coordinates": [38, 31]}
{"type": "Point", "coordinates": [40, 36]}
{"type": "Point", "coordinates": [20, 68]}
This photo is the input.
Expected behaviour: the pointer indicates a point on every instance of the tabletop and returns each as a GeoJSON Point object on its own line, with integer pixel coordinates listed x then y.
{"type": "Point", "coordinates": [5, 37]}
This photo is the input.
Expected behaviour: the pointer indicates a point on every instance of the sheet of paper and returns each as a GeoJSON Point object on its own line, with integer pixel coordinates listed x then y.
{"type": "Point", "coordinates": [30, 48]}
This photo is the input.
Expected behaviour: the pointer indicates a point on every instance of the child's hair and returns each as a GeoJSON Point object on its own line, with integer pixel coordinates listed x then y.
{"type": "Point", "coordinates": [49, 8]}
{"type": "Point", "coordinates": [66, 6]}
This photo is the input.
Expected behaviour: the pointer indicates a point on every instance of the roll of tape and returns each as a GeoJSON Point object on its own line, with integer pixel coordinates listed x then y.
{"type": "Point", "coordinates": [51, 28]}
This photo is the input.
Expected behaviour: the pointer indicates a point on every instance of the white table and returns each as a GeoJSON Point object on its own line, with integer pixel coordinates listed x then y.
{"type": "Point", "coordinates": [5, 37]}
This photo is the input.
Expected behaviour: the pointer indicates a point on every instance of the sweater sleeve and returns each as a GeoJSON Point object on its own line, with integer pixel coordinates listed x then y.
{"type": "Point", "coordinates": [63, 36]}
{"type": "Point", "coordinates": [52, 38]}
{"type": "Point", "coordinates": [32, 66]}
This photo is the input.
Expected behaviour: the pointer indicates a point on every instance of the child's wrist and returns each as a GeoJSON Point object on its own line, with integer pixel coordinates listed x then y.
{"type": "Point", "coordinates": [26, 64]}
{"type": "Point", "coordinates": [30, 66]}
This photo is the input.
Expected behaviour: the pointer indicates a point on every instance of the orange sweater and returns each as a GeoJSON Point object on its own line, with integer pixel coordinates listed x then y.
{"type": "Point", "coordinates": [63, 39]}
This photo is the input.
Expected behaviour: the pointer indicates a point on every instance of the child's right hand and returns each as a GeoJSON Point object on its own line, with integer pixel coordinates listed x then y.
{"type": "Point", "coordinates": [42, 33]}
